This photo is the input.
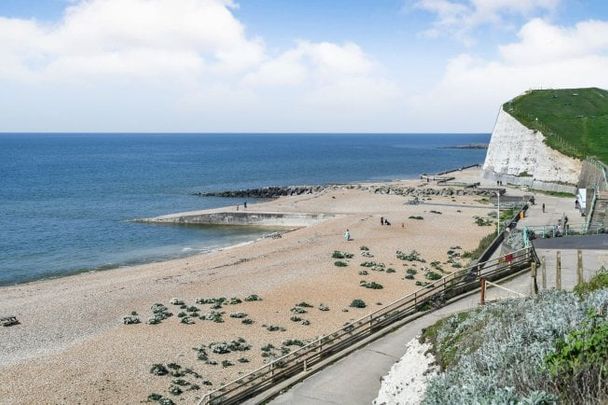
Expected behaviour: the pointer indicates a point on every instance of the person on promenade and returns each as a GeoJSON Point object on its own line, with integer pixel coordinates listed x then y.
{"type": "Point", "coordinates": [245, 205]}
{"type": "Point", "coordinates": [237, 207]}
{"type": "Point", "coordinates": [347, 235]}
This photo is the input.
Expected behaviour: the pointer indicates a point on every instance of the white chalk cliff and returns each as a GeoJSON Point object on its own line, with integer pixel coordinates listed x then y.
{"type": "Point", "coordinates": [517, 150]}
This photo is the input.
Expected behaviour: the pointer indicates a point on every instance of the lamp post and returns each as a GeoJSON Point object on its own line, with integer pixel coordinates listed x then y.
{"type": "Point", "coordinates": [498, 214]}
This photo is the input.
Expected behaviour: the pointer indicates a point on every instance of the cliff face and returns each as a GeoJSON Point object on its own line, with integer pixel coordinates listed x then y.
{"type": "Point", "coordinates": [516, 151]}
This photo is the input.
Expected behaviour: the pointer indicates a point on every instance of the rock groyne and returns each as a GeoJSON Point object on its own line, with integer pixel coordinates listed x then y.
{"type": "Point", "coordinates": [264, 192]}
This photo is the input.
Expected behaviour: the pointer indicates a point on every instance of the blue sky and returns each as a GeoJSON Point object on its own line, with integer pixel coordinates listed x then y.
{"type": "Point", "coordinates": [271, 65]}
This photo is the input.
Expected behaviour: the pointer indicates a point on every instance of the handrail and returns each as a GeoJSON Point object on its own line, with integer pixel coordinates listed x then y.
{"type": "Point", "coordinates": [297, 361]}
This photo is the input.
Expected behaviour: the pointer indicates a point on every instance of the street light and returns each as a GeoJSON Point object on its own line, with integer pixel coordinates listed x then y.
{"type": "Point", "coordinates": [498, 213]}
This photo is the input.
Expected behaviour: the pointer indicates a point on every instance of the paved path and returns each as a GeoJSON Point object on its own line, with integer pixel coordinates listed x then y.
{"type": "Point", "coordinates": [356, 379]}
{"type": "Point", "coordinates": [574, 242]}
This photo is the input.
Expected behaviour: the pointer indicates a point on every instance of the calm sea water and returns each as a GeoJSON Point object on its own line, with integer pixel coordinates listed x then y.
{"type": "Point", "coordinates": [66, 200]}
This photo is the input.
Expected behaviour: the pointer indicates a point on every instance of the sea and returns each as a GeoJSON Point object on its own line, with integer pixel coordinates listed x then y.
{"type": "Point", "coordinates": [68, 201]}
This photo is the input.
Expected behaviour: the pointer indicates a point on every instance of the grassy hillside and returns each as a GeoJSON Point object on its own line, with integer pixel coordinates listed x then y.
{"type": "Point", "coordinates": [574, 121]}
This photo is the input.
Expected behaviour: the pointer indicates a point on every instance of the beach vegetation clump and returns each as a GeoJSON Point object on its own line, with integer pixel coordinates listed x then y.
{"type": "Point", "coordinates": [416, 217]}
{"type": "Point", "coordinates": [239, 345]}
{"type": "Point", "coordinates": [371, 284]}
{"type": "Point", "coordinates": [358, 303]}
{"type": "Point", "coordinates": [363, 273]}
{"type": "Point", "coordinates": [374, 266]}
{"type": "Point", "coordinates": [175, 390]}
{"type": "Point", "coordinates": [187, 320]}
{"type": "Point", "coordinates": [295, 318]}
{"type": "Point", "coordinates": [160, 312]}
{"type": "Point", "coordinates": [305, 322]}
{"type": "Point", "coordinates": [422, 283]}
{"type": "Point", "coordinates": [483, 221]}
{"type": "Point", "coordinates": [217, 300]}
{"type": "Point", "coordinates": [412, 256]}
{"type": "Point", "coordinates": [235, 301]}
{"type": "Point", "coordinates": [192, 309]}
{"type": "Point", "coordinates": [182, 314]}
{"type": "Point", "coordinates": [227, 363]}
{"type": "Point", "coordinates": [131, 320]}
{"type": "Point", "coordinates": [435, 212]}
{"type": "Point", "coordinates": [432, 275]}
{"type": "Point", "coordinates": [238, 315]}
{"type": "Point", "coordinates": [298, 310]}
{"type": "Point", "coordinates": [274, 328]}
{"type": "Point", "coordinates": [176, 301]}
{"type": "Point", "coordinates": [159, 369]}
{"type": "Point", "coordinates": [253, 297]}
{"type": "Point", "coordinates": [338, 254]}
{"type": "Point", "coordinates": [215, 316]}
{"type": "Point", "coordinates": [247, 321]}
{"type": "Point", "coordinates": [304, 304]}
{"type": "Point", "coordinates": [367, 254]}
{"type": "Point", "coordinates": [391, 270]}
{"type": "Point", "coordinates": [363, 247]}
{"type": "Point", "coordinates": [323, 307]}
{"type": "Point", "coordinates": [293, 342]}
{"type": "Point", "coordinates": [243, 360]}
{"type": "Point", "coordinates": [340, 263]}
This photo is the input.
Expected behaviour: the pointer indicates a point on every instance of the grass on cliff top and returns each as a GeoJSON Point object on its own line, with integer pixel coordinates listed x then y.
{"type": "Point", "coordinates": [574, 121]}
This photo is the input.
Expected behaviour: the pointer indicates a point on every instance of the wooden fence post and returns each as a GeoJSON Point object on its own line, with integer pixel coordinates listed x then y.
{"type": "Point", "coordinates": [579, 267]}
{"type": "Point", "coordinates": [543, 268]}
{"type": "Point", "coordinates": [558, 270]}
{"type": "Point", "coordinates": [534, 285]}
{"type": "Point", "coordinates": [482, 300]}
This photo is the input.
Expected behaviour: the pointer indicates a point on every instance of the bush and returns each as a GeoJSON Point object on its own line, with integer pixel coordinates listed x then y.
{"type": "Point", "coordinates": [358, 303]}
{"type": "Point", "coordinates": [130, 320]}
{"type": "Point", "coordinates": [431, 275]}
{"type": "Point", "coordinates": [364, 248]}
{"type": "Point", "coordinates": [323, 307]}
{"type": "Point", "coordinates": [598, 281]}
{"type": "Point", "coordinates": [391, 270]}
{"type": "Point", "coordinates": [411, 271]}
{"type": "Point", "coordinates": [512, 352]}
{"type": "Point", "coordinates": [247, 321]}
{"type": "Point", "coordinates": [337, 254]}
{"type": "Point", "coordinates": [253, 297]}
{"type": "Point", "coordinates": [416, 217]}
{"type": "Point", "coordinates": [483, 245]}
{"type": "Point", "coordinates": [363, 273]}
{"type": "Point", "coordinates": [372, 284]}
{"type": "Point", "coordinates": [412, 256]}
{"type": "Point", "coordinates": [159, 369]}
{"type": "Point", "coordinates": [340, 263]}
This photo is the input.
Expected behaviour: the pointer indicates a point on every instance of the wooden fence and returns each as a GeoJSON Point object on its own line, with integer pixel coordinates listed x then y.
{"type": "Point", "coordinates": [427, 298]}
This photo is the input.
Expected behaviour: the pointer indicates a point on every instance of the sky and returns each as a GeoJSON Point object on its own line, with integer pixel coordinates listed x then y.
{"type": "Point", "coordinates": [407, 66]}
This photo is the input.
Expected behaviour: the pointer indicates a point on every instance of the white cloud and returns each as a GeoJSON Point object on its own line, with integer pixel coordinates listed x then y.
{"type": "Point", "coordinates": [545, 56]}
{"type": "Point", "coordinates": [156, 60]}
{"type": "Point", "coordinates": [459, 17]}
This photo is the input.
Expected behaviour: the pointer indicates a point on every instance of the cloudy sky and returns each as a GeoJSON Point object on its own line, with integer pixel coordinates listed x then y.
{"type": "Point", "coordinates": [293, 66]}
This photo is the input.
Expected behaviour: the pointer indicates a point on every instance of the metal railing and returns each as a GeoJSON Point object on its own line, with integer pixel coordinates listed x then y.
{"type": "Point", "coordinates": [432, 296]}
{"type": "Point", "coordinates": [552, 231]}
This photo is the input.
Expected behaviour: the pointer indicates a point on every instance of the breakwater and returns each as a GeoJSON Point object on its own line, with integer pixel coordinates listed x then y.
{"type": "Point", "coordinates": [264, 192]}
{"type": "Point", "coordinates": [243, 218]}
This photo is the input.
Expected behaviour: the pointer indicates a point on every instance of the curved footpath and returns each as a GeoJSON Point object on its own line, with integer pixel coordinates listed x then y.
{"type": "Point", "coordinates": [356, 379]}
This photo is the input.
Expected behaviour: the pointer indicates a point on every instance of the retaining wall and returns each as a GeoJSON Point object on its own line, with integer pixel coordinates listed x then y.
{"type": "Point", "coordinates": [241, 218]}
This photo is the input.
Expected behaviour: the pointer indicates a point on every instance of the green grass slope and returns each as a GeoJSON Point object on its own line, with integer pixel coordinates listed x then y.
{"type": "Point", "coordinates": [574, 121]}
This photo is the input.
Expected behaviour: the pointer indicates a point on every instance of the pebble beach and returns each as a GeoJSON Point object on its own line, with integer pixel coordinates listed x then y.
{"type": "Point", "coordinates": [72, 346]}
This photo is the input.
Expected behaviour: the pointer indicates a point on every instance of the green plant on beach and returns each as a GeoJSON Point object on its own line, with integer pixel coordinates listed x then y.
{"type": "Point", "coordinates": [416, 217]}
{"type": "Point", "coordinates": [371, 284]}
{"type": "Point", "coordinates": [357, 303]}
{"type": "Point", "coordinates": [337, 254]}
{"type": "Point", "coordinates": [340, 263]}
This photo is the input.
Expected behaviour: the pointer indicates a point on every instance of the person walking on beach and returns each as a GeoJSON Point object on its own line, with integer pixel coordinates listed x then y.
{"type": "Point", "coordinates": [381, 220]}
{"type": "Point", "coordinates": [347, 235]}
{"type": "Point", "coordinates": [543, 208]}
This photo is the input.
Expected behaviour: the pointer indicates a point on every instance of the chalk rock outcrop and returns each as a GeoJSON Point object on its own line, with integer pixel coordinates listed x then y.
{"type": "Point", "coordinates": [518, 151]}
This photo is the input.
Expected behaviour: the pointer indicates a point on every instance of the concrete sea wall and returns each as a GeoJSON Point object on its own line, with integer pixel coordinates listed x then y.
{"type": "Point", "coordinates": [240, 218]}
